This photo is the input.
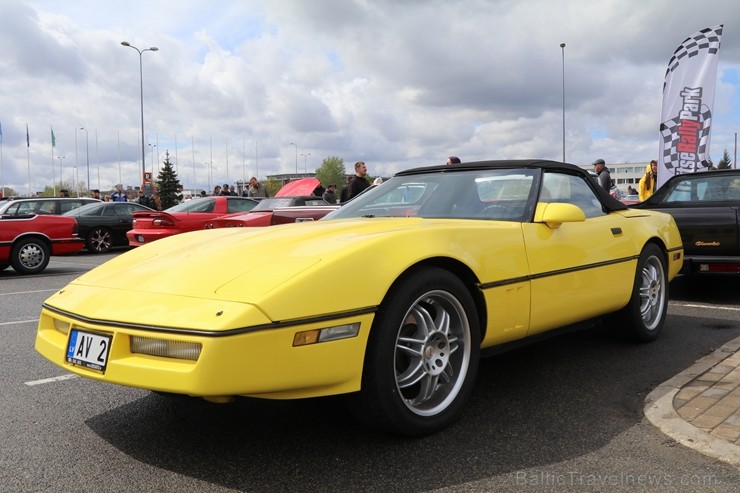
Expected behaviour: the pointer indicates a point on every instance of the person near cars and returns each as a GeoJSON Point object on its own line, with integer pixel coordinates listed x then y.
{"type": "Point", "coordinates": [142, 199]}
{"type": "Point", "coordinates": [604, 176]}
{"type": "Point", "coordinates": [646, 187]}
{"type": "Point", "coordinates": [119, 195]}
{"type": "Point", "coordinates": [217, 190]}
{"type": "Point", "coordinates": [154, 201]}
{"type": "Point", "coordinates": [359, 182]}
{"type": "Point", "coordinates": [257, 188]}
{"type": "Point", "coordinates": [95, 193]}
{"type": "Point", "coordinates": [330, 195]}
{"type": "Point", "coordinates": [453, 160]}
{"type": "Point", "coordinates": [63, 193]}
{"type": "Point", "coordinates": [225, 190]}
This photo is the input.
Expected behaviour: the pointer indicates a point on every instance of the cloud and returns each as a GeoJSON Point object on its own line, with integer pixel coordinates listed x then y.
{"type": "Point", "coordinates": [396, 84]}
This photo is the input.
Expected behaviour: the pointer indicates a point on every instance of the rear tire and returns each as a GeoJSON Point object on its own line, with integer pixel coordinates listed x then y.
{"type": "Point", "coordinates": [99, 240]}
{"type": "Point", "coordinates": [643, 318]}
{"type": "Point", "coordinates": [30, 256]}
{"type": "Point", "coordinates": [422, 355]}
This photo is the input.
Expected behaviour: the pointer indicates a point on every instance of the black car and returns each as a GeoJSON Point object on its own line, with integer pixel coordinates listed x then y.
{"type": "Point", "coordinates": [705, 206]}
{"type": "Point", "coordinates": [104, 225]}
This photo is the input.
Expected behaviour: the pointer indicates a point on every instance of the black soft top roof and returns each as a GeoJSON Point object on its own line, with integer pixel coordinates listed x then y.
{"type": "Point", "coordinates": [610, 203]}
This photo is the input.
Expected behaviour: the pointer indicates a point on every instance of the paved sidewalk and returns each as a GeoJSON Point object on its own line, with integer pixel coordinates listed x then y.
{"type": "Point", "coordinates": [700, 407]}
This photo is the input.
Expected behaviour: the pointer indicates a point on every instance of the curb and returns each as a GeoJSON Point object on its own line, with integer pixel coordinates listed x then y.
{"type": "Point", "coordinates": [660, 412]}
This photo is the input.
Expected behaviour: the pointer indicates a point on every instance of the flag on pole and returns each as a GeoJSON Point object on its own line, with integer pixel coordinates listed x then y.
{"type": "Point", "coordinates": [688, 99]}
{"type": "Point", "coordinates": [28, 140]}
{"type": "Point", "coordinates": [53, 138]}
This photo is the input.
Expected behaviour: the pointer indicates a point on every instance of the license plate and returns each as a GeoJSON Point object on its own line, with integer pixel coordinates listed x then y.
{"type": "Point", "coordinates": [88, 349]}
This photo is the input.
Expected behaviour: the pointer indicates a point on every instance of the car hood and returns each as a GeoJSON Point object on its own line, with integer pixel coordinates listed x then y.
{"type": "Point", "coordinates": [262, 275]}
{"type": "Point", "coordinates": [297, 188]}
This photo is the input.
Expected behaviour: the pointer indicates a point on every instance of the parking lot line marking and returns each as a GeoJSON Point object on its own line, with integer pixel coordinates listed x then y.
{"type": "Point", "coordinates": [50, 380]}
{"type": "Point", "coordinates": [708, 307]}
{"type": "Point", "coordinates": [35, 320]}
{"type": "Point", "coordinates": [15, 293]}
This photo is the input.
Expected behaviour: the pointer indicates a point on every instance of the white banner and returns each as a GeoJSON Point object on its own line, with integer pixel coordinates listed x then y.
{"type": "Point", "coordinates": [688, 100]}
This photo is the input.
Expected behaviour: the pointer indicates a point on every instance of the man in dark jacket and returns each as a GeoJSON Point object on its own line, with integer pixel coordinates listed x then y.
{"type": "Point", "coordinates": [358, 183]}
{"type": "Point", "coordinates": [604, 177]}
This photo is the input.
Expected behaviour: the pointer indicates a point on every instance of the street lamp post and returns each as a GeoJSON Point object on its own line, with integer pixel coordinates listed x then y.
{"type": "Point", "coordinates": [61, 174]}
{"type": "Point", "coordinates": [296, 157]}
{"type": "Point", "coordinates": [87, 147]}
{"type": "Point", "coordinates": [141, 84]}
{"type": "Point", "coordinates": [562, 47]}
{"type": "Point", "coordinates": [304, 161]}
{"type": "Point", "coordinates": [152, 146]}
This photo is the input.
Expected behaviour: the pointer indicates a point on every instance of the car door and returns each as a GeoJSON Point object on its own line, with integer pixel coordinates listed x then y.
{"type": "Point", "coordinates": [578, 269]}
{"type": "Point", "coordinates": [705, 208]}
{"type": "Point", "coordinates": [123, 221]}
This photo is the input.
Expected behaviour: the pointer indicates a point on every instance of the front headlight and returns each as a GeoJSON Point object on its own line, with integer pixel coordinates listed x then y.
{"type": "Point", "coordinates": [166, 348]}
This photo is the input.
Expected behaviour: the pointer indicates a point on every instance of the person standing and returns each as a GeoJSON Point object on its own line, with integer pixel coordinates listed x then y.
{"type": "Point", "coordinates": [143, 199]}
{"type": "Point", "coordinates": [119, 195]}
{"type": "Point", "coordinates": [257, 188]}
{"type": "Point", "coordinates": [646, 187]}
{"type": "Point", "coordinates": [604, 176]}
{"type": "Point", "coordinates": [453, 160]}
{"type": "Point", "coordinates": [330, 195]}
{"type": "Point", "coordinates": [359, 182]}
{"type": "Point", "coordinates": [95, 193]}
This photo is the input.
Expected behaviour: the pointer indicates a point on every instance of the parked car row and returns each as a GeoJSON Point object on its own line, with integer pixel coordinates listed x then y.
{"type": "Point", "coordinates": [705, 206]}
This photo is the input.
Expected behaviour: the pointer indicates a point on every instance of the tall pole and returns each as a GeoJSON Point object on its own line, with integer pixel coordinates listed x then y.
{"type": "Point", "coordinates": [87, 146]}
{"type": "Point", "coordinates": [304, 161]}
{"type": "Point", "coordinates": [562, 48]}
{"type": "Point", "coordinates": [61, 175]}
{"type": "Point", "coordinates": [296, 157]}
{"type": "Point", "coordinates": [141, 85]}
{"type": "Point", "coordinates": [97, 158]}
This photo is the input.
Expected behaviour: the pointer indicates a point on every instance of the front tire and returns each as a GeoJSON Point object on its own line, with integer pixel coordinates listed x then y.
{"type": "Point", "coordinates": [422, 355]}
{"type": "Point", "coordinates": [643, 318]}
{"type": "Point", "coordinates": [99, 240]}
{"type": "Point", "coordinates": [30, 256]}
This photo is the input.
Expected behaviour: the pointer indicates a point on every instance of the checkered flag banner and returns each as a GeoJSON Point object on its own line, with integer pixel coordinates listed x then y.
{"type": "Point", "coordinates": [670, 140]}
{"type": "Point", "coordinates": [688, 99]}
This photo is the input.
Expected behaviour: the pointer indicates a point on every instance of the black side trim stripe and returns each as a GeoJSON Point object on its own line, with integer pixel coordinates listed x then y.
{"type": "Point", "coordinates": [553, 273]}
{"type": "Point", "coordinates": [215, 333]}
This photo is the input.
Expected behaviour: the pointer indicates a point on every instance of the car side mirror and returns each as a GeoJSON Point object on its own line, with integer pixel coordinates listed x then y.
{"type": "Point", "coordinates": [555, 214]}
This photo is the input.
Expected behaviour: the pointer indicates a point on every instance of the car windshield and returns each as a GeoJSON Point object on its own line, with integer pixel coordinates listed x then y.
{"type": "Point", "coordinates": [274, 203]}
{"type": "Point", "coordinates": [205, 204]}
{"type": "Point", "coordinates": [500, 194]}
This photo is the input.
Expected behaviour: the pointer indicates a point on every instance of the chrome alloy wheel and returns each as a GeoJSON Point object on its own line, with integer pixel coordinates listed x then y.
{"type": "Point", "coordinates": [652, 292]}
{"type": "Point", "coordinates": [432, 353]}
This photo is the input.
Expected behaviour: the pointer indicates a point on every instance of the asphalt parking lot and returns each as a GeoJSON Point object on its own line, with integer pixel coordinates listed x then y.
{"type": "Point", "coordinates": [561, 415]}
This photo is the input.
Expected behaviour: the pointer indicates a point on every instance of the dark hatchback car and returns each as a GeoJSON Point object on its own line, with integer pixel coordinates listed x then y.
{"type": "Point", "coordinates": [706, 208]}
{"type": "Point", "coordinates": [104, 225]}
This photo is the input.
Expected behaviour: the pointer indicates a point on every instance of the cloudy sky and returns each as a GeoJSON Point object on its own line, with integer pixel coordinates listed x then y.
{"type": "Point", "coordinates": [260, 87]}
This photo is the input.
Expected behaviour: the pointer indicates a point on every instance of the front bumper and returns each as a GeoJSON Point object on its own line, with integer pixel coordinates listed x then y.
{"type": "Point", "coordinates": [262, 363]}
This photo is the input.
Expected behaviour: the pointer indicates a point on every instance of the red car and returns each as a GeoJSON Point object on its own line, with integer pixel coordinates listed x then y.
{"type": "Point", "coordinates": [293, 203]}
{"type": "Point", "coordinates": [27, 241]}
{"type": "Point", "coordinates": [188, 216]}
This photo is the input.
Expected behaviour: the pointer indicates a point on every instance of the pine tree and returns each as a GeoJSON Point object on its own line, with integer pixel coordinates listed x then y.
{"type": "Point", "coordinates": [725, 162]}
{"type": "Point", "coordinates": [168, 185]}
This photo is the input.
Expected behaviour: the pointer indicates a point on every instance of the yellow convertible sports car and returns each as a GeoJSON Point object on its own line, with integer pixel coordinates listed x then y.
{"type": "Point", "coordinates": [390, 298]}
